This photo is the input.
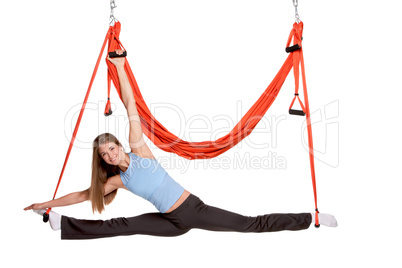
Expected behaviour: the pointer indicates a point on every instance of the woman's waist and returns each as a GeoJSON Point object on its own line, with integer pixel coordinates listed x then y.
{"type": "Point", "coordinates": [179, 201]}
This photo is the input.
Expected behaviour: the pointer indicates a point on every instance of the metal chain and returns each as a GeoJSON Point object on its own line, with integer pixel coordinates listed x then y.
{"type": "Point", "coordinates": [296, 4]}
{"type": "Point", "coordinates": [112, 19]}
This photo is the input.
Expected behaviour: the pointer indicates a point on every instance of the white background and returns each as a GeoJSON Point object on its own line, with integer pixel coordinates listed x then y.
{"type": "Point", "coordinates": [204, 58]}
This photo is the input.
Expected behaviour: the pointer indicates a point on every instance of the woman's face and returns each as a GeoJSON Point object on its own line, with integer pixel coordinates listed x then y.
{"type": "Point", "coordinates": [111, 153]}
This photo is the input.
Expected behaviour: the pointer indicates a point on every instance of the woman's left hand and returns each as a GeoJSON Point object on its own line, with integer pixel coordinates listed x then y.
{"type": "Point", "coordinates": [118, 62]}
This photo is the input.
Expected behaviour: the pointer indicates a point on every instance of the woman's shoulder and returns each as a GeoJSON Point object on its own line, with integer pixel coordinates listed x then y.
{"type": "Point", "coordinates": [140, 155]}
{"type": "Point", "coordinates": [143, 152]}
{"type": "Point", "coordinates": [115, 181]}
{"type": "Point", "coordinates": [114, 178]}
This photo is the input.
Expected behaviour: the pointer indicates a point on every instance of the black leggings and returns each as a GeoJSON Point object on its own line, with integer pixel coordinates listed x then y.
{"type": "Point", "coordinates": [193, 213]}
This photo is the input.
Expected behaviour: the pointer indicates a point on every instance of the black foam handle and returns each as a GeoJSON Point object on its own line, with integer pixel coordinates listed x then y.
{"type": "Point", "coordinates": [115, 55]}
{"type": "Point", "coordinates": [293, 48]}
{"type": "Point", "coordinates": [297, 112]}
{"type": "Point", "coordinates": [45, 217]}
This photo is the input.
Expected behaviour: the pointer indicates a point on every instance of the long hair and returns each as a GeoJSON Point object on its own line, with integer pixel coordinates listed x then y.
{"type": "Point", "coordinates": [101, 171]}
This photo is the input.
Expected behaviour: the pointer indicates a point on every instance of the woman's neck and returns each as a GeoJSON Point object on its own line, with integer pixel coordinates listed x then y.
{"type": "Point", "coordinates": [123, 165]}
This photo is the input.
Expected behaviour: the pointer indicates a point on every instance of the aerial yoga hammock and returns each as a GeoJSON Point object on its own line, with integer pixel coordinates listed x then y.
{"type": "Point", "coordinates": [168, 142]}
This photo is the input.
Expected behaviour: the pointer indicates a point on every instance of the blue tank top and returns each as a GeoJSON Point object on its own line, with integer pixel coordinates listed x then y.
{"type": "Point", "coordinates": [146, 178]}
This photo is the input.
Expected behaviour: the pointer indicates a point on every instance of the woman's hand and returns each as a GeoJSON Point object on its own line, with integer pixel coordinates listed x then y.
{"type": "Point", "coordinates": [35, 206]}
{"type": "Point", "coordinates": [118, 62]}
{"type": "Point", "coordinates": [70, 199]}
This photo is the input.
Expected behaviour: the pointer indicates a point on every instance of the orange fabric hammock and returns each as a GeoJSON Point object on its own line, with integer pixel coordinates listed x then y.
{"type": "Point", "coordinates": [168, 142]}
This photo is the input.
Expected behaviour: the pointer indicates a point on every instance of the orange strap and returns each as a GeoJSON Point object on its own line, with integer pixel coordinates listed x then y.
{"type": "Point", "coordinates": [168, 142]}
{"type": "Point", "coordinates": [298, 63]}
{"type": "Point", "coordinates": [77, 125]}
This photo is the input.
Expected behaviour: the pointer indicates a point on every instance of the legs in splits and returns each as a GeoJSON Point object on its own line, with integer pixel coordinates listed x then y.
{"type": "Point", "coordinates": [193, 213]}
{"type": "Point", "coordinates": [147, 224]}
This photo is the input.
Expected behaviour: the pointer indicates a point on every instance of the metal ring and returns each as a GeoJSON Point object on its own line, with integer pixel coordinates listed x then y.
{"type": "Point", "coordinates": [296, 4]}
{"type": "Point", "coordinates": [112, 18]}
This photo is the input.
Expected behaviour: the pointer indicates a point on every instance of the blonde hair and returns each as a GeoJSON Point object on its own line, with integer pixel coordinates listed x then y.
{"type": "Point", "coordinates": [101, 171]}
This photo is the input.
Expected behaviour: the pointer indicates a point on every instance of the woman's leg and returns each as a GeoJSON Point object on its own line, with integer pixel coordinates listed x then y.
{"type": "Point", "coordinates": [147, 224]}
{"type": "Point", "coordinates": [193, 213]}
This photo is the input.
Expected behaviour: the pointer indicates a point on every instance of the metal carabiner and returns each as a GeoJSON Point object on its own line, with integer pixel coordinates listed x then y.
{"type": "Point", "coordinates": [296, 4]}
{"type": "Point", "coordinates": [112, 18]}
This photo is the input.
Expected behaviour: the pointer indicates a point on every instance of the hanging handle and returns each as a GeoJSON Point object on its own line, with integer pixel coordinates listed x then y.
{"type": "Point", "coordinates": [297, 112]}
{"type": "Point", "coordinates": [115, 55]}
{"type": "Point", "coordinates": [45, 217]}
{"type": "Point", "coordinates": [293, 48]}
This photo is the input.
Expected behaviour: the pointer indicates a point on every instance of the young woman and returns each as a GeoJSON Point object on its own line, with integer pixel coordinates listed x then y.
{"type": "Point", "coordinates": [140, 173]}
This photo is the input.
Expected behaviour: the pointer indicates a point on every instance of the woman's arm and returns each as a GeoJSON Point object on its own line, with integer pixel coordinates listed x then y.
{"type": "Point", "coordinates": [136, 136]}
{"type": "Point", "coordinates": [112, 184]}
{"type": "Point", "coordinates": [70, 199]}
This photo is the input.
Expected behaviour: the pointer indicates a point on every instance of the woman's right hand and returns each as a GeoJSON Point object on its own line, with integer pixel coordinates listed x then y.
{"type": "Point", "coordinates": [70, 199]}
{"type": "Point", "coordinates": [35, 206]}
